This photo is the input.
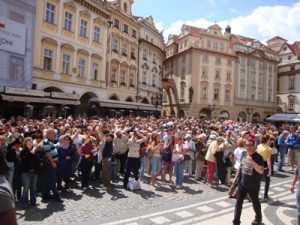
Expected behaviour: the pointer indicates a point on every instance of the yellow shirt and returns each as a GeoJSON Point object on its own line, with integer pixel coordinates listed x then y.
{"type": "Point", "coordinates": [212, 149]}
{"type": "Point", "coordinates": [263, 150]}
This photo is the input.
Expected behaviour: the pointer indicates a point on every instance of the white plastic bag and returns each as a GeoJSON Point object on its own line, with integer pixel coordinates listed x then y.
{"type": "Point", "coordinates": [133, 184]}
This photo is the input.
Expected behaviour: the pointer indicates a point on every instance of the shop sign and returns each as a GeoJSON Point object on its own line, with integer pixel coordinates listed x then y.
{"type": "Point", "coordinates": [23, 91]}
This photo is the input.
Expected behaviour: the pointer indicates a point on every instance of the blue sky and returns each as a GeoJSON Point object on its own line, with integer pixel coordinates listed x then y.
{"type": "Point", "coordinates": [170, 14]}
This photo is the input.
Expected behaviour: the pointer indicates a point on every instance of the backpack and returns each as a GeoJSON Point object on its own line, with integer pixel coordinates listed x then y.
{"type": "Point", "coordinates": [167, 154]}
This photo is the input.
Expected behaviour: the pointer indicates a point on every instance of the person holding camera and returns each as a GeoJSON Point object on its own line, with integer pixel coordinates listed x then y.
{"type": "Point", "coordinates": [133, 162]}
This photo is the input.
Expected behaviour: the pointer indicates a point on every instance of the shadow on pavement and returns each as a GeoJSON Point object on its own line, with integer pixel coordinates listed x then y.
{"type": "Point", "coordinates": [37, 214]}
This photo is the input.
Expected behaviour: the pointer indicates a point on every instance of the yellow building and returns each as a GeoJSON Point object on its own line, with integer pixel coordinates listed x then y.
{"type": "Point", "coordinates": [70, 51]}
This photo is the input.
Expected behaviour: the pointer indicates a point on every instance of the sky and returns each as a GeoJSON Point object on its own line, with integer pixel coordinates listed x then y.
{"type": "Point", "coordinates": [259, 19]}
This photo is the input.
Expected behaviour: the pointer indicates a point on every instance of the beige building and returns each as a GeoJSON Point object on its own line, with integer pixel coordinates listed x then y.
{"type": "Point", "coordinates": [255, 80]}
{"type": "Point", "coordinates": [70, 50]}
{"type": "Point", "coordinates": [199, 74]}
{"type": "Point", "coordinates": [288, 92]}
{"type": "Point", "coordinates": [151, 57]}
{"type": "Point", "coordinates": [122, 55]}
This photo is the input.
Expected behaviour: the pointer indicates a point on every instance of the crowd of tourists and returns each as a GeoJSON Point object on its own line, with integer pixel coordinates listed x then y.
{"type": "Point", "coordinates": [44, 155]}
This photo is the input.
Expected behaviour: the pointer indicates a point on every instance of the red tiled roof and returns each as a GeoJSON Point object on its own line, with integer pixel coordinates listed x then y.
{"type": "Point", "coordinates": [296, 48]}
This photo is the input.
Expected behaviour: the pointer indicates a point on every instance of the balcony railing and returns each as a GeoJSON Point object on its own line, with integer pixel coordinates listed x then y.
{"type": "Point", "coordinates": [255, 103]}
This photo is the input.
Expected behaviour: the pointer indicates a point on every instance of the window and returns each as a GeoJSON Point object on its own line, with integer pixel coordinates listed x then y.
{"type": "Point", "coordinates": [227, 95]}
{"type": "Point", "coordinates": [204, 93]}
{"type": "Point", "coordinates": [182, 90]}
{"type": "Point", "coordinates": [97, 34]}
{"type": "Point", "coordinates": [242, 92]}
{"type": "Point", "coordinates": [289, 57]}
{"type": "Point", "coordinates": [95, 70]}
{"type": "Point", "coordinates": [215, 45]}
{"type": "Point", "coordinates": [144, 77]}
{"type": "Point", "coordinates": [154, 58]}
{"type": "Point", "coordinates": [216, 94]}
{"type": "Point", "coordinates": [205, 58]}
{"type": "Point", "coordinates": [48, 55]}
{"type": "Point", "coordinates": [217, 74]}
{"type": "Point", "coordinates": [151, 40]}
{"type": "Point", "coordinates": [291, 103]}
{"type": "Point", "coordinates": [132, 54]}
{"type": "Point", "coordinates": [153, 80]}
{"type": "Point", "coordinates": [208, 44]}
{"type": "Point", "coordinates": [228, 77]}
{"type": "Point", "coordinates": [280, 59]}
{"type": "Point", "coordinates": [292, 67]}
{"type": "Point", "coordinates": [147, 37]}
{"type": "Point", "coordinates": [114, 71]}
{"type": "Point", "coordinates": [229, 62]}
{"type": "Point", "coordinates": [124, 49]}
{"type": "Point", "coordinates": [145, 54]}
{"type": "Point", "coordinates": [115, 45]}
{"type": "Point", "coordinates": [131, 79]}
{"type": "Point", "coordinates": [291, 83]}
{"type": "Point", "coordinates": [50, 13]}
{"type": "Point", "coordinates": [185, 43]}
{"type": "Point", "coordinates": [125, 28]}
{"type": "Point", "coordinates": [81, 67]}
{"type": "Point", "coordinates": [83, 28]}
{"type": "Point", "coordinates": [222, 46]}
{"type": "Point", "coordinates": [183, 71]}
{"type": "Point", "coordinates": [68, 21]}
{"type": "Point", "coordinates": [260, 95]}
{"type": "Point", "coordinates": [183, 59]}
{"type": "Point", "coordinates": [218, 60]}
{"type": "Point", "coordinates": [122, 77]}
{"type": "Point", "coordinates": [204, 72]}
{"type": "Point", "coordinates": [16, 68]}
{"type": "Point", "coordinates": [66, 64]}
{"type": "Point", "coordinates": [116, 23]}
{"type": "Point", "coordinates": [133, 33]}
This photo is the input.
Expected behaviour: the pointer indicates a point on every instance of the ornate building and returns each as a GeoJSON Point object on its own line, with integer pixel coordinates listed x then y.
{"type": "Point", "coordinates": [288, 94]}
{"type": "Point", "coordinates": [199, 74]}
{"type": "Point", "coordinates": [255, 80]}
{"type": "Point", "coordinates": [17, 18]}
{"type": "Point", "coordinates": [70, 52]}
{"type": "Point", "coordinates": [151, 57]}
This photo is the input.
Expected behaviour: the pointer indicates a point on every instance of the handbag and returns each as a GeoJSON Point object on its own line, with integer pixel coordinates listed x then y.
{"type": "Point", "coordinates": [149, 152]}
{"type": "Point", "coordinates": [187, 157]}
{"type": "Point", "coordinates": [176, 158]}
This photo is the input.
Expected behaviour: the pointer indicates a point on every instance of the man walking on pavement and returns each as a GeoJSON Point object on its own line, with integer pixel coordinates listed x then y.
{"type": "Point", "coordinates": [251, 170]}
{"type": "Point", "coordinates": [293, 143]}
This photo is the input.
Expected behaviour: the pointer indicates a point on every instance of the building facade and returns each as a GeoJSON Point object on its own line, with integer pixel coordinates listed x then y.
{"type": "Point", "coordinates": [151, 56]}
{"type": "Point", "coordinates": [17, 19]}
{"type": "Point", "coordinates": [288, 92]}
{"type": "Point", "coordinates": [255, 80]}
{"type": "Point", "coordinates": [199, 74]}
{"type": "Point", "coordinates": [70, 51]}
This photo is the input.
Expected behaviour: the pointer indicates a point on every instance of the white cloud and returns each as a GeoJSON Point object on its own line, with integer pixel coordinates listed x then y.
{"type": "Point", "coordinates": [263, 23]}
{"type": "Point", "coordinates": [233, 10]}
{"type": "Point", "coordinates": [159, 26]}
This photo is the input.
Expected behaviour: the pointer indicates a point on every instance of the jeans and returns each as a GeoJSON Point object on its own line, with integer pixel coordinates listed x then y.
{"type": "Point", "coordinates": [178, 170]}
{"type": "Point", "coordinates": [50, 183]}
{"type": "Point", "coordinates": [267, 182]}
{"type": "Point", "coordinates": [10, 175]}
{"type": "Point", "coordinates": [155, 165]}
{"type": "Point", "coordinates": [29, 180]}
{"type": "Point", "coordinates": [143, 166]}
{"type": "Point", "coordinates": [298, 202]}
{"type": "Point", "coordinates": [240, 196]}
{"type": "Point", "coordinates": [282, 157]}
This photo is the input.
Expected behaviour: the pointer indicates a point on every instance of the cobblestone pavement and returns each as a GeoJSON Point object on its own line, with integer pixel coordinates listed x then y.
{"type": "Point", "coordinates": [82, 206]}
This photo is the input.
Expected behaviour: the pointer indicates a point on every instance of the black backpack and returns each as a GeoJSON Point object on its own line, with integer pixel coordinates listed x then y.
{"type": "Point", "coordinates": [167, 154]}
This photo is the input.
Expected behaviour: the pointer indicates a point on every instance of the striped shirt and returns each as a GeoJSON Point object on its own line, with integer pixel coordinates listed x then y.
{"type": "Point", "coordinates": [49, 146]}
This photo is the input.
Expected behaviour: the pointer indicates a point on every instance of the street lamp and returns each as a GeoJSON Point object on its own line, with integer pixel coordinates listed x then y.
{"type": "Point", "coordinates": [211, 108]}
{"type": "Point", "coordinates": [157, 100]}
{"type": "Point", "coordinates": [249, 111]}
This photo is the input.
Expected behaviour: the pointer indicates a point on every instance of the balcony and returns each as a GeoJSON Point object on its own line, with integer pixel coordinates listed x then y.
{"type": "Point", "coordinates": [254, 103]}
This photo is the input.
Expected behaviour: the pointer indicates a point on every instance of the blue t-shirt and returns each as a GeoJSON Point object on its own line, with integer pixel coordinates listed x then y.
{"type": "Point", "coordinates": [49, 146]}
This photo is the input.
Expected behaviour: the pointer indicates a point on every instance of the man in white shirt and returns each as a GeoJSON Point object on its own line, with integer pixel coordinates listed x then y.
{"type": "Point", "coordinates": [120, 151]}
{"type": "Point", "coordinates": [191, 154]}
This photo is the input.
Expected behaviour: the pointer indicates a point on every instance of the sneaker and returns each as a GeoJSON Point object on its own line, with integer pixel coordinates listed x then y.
{"type": "Point", "coordinates": [256, 222]}
{"type": "Point", "coordinates": [59, 200]}
{"type": "Point", "coordinates": [178, 186]}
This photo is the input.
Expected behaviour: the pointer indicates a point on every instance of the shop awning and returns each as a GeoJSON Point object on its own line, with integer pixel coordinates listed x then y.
{"type": "Point", "coordinates": [288, 117]}
{"type": "Point", "coordinates": [125, 104]}
{"type": "Point", "coordinates": [15, 98]}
